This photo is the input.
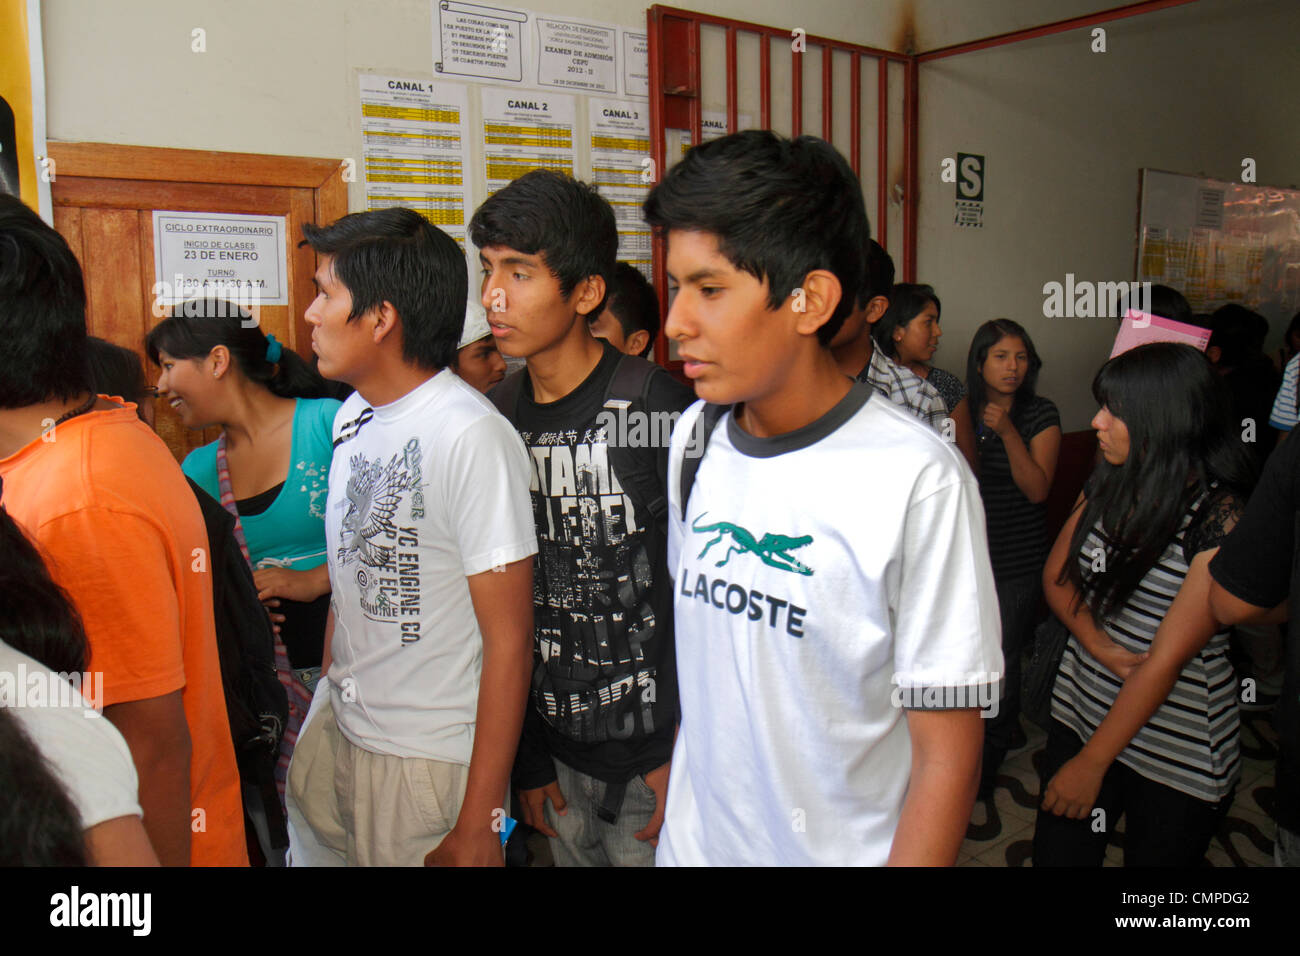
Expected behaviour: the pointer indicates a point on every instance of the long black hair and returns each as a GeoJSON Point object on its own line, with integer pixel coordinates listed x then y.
{"type": "Point", "coordinates": [907, 300]}
{"type": "Point", "coordinates": [986, 336]}
{"type": "Point", "coordinates": [39, 825]}
{"type": "Point", "coordinates": [200, 325]}
{"type": "Point", "coordinates": [1181, 438]}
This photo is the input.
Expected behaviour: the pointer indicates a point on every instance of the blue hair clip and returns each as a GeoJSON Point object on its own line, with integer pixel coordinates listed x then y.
{"type": "Point", "coordinates": [273, 349]}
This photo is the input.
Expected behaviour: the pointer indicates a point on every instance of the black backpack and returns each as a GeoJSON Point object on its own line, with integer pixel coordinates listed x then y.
{"type": "Point", "coordinates": [256, 703]}
{"type": "Point", "coordinates": [637, 468]}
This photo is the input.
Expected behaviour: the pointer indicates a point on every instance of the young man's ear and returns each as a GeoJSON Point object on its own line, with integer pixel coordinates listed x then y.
{"type": "Point", "coordinates": [876, 307]}
{"type": "Point", "coordinates": [1214, 354]}
{"type": "Point", "coordinates": [386, 321]}
{"type": "Point", "coordinates": [587, 295]}
{"type": "Point", "coordinates": [636, 343]}
{"type": "Point", "coordinates": [814, 302]}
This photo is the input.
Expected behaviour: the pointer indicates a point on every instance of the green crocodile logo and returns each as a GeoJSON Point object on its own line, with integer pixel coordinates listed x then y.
{"type": "Point", "coordinates": [772, 549]}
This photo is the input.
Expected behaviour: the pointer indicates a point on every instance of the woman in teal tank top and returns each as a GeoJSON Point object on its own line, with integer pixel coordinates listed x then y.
{"type": "Point", "coordinates": [218, 368]}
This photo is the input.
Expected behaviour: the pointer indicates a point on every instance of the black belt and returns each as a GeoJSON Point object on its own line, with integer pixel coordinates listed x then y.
{"type": "Point", "coordinates": [611, 802]}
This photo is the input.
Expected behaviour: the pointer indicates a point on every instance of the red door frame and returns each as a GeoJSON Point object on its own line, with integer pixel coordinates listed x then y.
{"type": "Point", "coordinates": [675, 98]}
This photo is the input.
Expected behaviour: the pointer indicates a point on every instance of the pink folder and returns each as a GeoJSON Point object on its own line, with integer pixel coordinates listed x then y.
{"type": "Point", "coordinates": [1141, 328]}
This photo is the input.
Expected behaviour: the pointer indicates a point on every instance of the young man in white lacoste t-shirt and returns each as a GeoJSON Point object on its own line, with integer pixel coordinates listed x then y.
{"type": "Point", "coordinates": [406, 755]}
{"type": "Point", "coordinates": [836, 619]}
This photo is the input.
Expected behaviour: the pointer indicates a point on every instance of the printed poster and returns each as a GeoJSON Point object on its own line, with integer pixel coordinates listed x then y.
{"type": "Point", "coordinates": [525, 130]}
{"type": "Point", "coordinates": [620, 171]}
{"type": "Point", "coordinates": [488, 43]}
{"type": "Point", "coordinates": [415, 148]}
{"type": "Point", "coordinates": [239, 258]}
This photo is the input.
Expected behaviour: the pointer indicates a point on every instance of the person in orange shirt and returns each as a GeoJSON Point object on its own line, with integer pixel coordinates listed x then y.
{"type": "Point", "coordinates": [122, 534]}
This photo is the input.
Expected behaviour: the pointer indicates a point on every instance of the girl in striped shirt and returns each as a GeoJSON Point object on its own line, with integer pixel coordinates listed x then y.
{"type": "Point", "coordinates": [1144, 710]}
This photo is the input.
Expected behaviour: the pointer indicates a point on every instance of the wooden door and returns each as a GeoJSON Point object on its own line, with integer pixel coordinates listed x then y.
{"type": "Point", "coordinates": [104, 198]}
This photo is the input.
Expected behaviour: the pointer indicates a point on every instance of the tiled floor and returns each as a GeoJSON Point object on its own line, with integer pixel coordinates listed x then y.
{"type": "Point", "coordinates": [1003, 835]}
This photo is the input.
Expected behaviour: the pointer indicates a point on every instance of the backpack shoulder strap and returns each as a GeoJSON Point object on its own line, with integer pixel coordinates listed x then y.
{"type": "Point", "coordinates": [637, 469]}
{"type": "Point", "coordinates": [705, 422]}
{"type": "Point", "coordinates": [505, 395]}
{"type": "Point", "coordinates": [631, 380]}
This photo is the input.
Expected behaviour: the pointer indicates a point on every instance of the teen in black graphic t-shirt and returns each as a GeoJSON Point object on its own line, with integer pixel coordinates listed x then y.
{"type": "Point", "coordinates": [593, 762]}
{"type": "Point", "coordinates": [599, 618]}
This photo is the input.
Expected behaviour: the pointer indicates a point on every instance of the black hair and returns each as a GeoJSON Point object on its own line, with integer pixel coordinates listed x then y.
{"type": "Point", "coordinates": [878, 273]}
{"type": "Point", "coordinates": [115, 370]}
{"type": "Point", "coordinates": [779, 209]}
{"type": "Point", "coordinates": [906, 301]}
{"type": "Point", "coordinates": [39, 825]}
{"type": "Point", "coordinates": [42, 311]}
{"type": "Point", "coordinates": [1181, 438]}
{"type": "Point", "coordinates": [633, 302]}
{"type": "Point", "coordinates": [1169, 303]}
{"type": "Point", "coordinates": [198, 326]}
{"type": "Point", "coordinates": [1238, 333]}
{"type": "Point", "coordinates": [395, 255]}
{"type": "Point", "coordinates": [1291, 330]}
{"type": "Point", "coordinates": [985, 337]}
{"type": "Point", "coordinates": [565, 221]}
{"type": "Point", "coordinates": [36, 615]}
{"type": "Point", "coordinates": [1166, 302]}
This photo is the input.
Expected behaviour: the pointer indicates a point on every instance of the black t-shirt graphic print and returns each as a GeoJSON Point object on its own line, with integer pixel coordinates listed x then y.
{"type": "Point", "coordinates": [604, 696]}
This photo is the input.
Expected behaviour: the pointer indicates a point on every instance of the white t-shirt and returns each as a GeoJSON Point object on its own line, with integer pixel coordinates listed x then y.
{"type": "Point", "coordinates": [430, 490]}
{"type": "Point", "coordinates": [813, 572]}
{"type": "Point", "coordinates": [86, 752]}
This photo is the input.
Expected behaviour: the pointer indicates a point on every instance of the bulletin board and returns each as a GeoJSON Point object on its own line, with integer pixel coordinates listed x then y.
{"type": "Point", "coordinates": [1218, 242]}
{"type": "Point", "coordinates": [510, 91]}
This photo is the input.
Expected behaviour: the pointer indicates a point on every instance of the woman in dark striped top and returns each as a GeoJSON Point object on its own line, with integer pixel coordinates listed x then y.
{"type": "Point", "coordinates": [1019, 439]}
{"type": "Point", "coordinates": [908, 332]}
{"type": "Point", "coordinates": [1144, 711]}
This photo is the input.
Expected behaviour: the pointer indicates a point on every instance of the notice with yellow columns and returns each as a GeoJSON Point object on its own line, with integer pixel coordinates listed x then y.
{"type": "Point", "coordinates": [415, 141]}
{"type": "Point", "coordinates": [525, 130]}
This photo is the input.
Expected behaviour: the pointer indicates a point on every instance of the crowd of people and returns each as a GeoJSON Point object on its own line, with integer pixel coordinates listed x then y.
{"type": "Point", "coordinates": [406, 601]}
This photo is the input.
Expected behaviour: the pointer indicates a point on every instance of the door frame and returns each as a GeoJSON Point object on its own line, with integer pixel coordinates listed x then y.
{"type": "Point", "coordinates": [101, 161]}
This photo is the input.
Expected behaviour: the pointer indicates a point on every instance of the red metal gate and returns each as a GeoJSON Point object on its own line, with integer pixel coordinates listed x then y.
{"type": "Point", "coordinates": [676, 99]}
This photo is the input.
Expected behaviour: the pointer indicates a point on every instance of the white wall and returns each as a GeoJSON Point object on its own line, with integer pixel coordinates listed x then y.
{"type": "Point", "coordinates": [278, 75]}
{"type": "Point", "coordinates": [1191, 89]}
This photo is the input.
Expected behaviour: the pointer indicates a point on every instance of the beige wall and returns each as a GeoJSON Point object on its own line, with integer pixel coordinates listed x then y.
{"type": "Point", "coordinates": [277, 76]}
{"type": "Point", "coordinates": [1191, 89]}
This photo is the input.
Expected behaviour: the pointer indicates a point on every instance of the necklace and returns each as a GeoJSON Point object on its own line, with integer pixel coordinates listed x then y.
{"type": "Point", "coordinates": [79, 410]}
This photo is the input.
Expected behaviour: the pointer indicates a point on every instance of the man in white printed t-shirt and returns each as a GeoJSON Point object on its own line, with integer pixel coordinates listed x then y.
{"type": "Point", "coordinates": [837, 625]}
{"type": "Point", "coordinates": [405, 758]}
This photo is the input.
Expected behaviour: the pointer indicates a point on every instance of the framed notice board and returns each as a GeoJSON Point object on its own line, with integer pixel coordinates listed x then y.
{"type": "Point", "coordinates": [1218, 242]}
